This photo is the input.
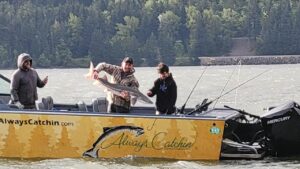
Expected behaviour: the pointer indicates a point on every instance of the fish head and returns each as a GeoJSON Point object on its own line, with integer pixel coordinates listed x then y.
{"type": "Point", "coordinates": [139, 131]}
{"type": "Point", "coordinates": [104, 77]}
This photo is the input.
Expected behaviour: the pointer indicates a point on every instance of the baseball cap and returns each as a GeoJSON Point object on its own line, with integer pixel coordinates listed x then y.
{"type": "Point", "coordinates": [128, 60]}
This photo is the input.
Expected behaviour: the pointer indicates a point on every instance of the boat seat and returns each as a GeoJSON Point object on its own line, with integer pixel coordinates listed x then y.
{"type": "Point", "coordinates": [82, 106]}
{"type": "Point", "coordinates": [99, 104]}
{"type": "Point", "coordinates": [45, 104]}
{"type": "Point", "coordinates": [39, 105]}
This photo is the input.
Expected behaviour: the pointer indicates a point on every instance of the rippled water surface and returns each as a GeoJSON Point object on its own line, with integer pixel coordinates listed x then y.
{"type": "Point", "coordinates": [279, 84]}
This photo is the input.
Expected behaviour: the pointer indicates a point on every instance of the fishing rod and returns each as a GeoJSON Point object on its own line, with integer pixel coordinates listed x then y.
{"type": "Point", "coordinates": [208, 103]}
{"type": "Point", "coordinates": [182, 108]}
{"type": "Point", "coordinates": [236, 91]}
{"type": "Point", "coordinates": [227, 83]}
{"type": "Point", "coordinates": [242, 112]}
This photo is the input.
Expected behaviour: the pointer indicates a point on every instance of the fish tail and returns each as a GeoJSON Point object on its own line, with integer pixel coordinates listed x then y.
{"type": "Point", "coordinates": [91, 153]}
{"type": "Point", "coordinates": [89, 75]}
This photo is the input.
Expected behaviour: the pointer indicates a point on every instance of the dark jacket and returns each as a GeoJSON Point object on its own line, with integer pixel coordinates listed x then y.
{"type": "Point", "coordinates": [166, 94]}
{"type": "Point", "coordinates": [24, 82]}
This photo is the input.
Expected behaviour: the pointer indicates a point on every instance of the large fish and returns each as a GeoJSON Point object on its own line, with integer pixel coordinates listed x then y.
{"type": "Point", "coordinates": [117, 88]}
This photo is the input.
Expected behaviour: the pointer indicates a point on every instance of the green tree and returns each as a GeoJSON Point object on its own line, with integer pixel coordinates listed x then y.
{"type": "Point", "coordinates": [233, 22]}
{"type": "Point", "coordinates": [253, 19]}
{"type": "Point", "coordinates": [74, 32]}
{"type": "Point", "coordinates": [276, 36]}
{"type": "Point", "coordinates": [149, 52]}
{"type": "Point", "coordinates": [218, 36]}
{"type": "Point", "coordinates": [99, 48]}
{"type": "Point", "coordinates": [169, 24]}
{"type": "Point", "coordinates": [63, 55]}
{"type": "Point", "coordinates": [296, 31]}
{"type": "Point", "coordinates": [198, 38]}
{"type": "Point", "coordinates": [125, 38]}
{"type": "Point", "coordinates": [285, 28]}
{"type": "Point", "coordinates": [43, 61]}
{"type": "Point", "coordinates": [3, 57]}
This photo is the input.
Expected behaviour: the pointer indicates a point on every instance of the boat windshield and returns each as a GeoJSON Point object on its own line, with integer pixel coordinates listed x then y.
{"type": "Point", "coordinates": [4, 85]}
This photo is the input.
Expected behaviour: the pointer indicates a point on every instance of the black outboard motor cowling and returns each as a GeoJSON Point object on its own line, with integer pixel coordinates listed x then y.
{"type": "Point", "coordinates": [282, 128]}
{"type": "Point", "coordinates": [243, 137]}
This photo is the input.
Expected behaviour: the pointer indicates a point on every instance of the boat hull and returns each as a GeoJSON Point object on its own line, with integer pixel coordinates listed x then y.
{"type": "Point", "coordinates": [73, 135]}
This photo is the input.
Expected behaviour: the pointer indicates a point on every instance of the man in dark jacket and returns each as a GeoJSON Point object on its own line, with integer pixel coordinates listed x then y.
{"type": "Point", "coordinates": [165, 90]}
{"type": "Point", "coordinates": [24, 83]}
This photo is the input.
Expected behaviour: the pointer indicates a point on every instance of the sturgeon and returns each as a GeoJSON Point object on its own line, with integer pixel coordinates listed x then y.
{"type": "Point", "coordinates": [117, 89]}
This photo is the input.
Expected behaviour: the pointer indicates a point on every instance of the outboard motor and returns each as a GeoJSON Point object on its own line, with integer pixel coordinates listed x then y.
{"type": "Point", "coordinates": [282, 129]}
{"type": "Point", "coordinates": [243, 137]}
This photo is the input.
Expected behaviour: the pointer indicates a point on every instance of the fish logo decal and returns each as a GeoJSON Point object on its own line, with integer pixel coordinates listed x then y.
{"type": "Point", "coordinates": [108, 132]}
{"type": "Point", "coordinates": [117, 88]}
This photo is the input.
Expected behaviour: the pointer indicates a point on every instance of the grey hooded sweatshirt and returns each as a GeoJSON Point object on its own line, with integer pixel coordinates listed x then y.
{"type": "Point", "coordinates": [24, 82]}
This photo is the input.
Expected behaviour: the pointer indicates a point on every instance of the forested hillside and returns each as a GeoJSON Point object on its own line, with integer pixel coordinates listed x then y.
{"type": "Point", "coordinates": [69, 33]}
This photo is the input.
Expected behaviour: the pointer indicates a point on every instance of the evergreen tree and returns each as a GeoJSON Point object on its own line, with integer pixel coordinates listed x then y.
{"type": "Point", "coordinates": [296, 32]}
{"type": "Point", "coordinates": [107, 30]}
{"type": "Point", "coordinates": [253, 19]}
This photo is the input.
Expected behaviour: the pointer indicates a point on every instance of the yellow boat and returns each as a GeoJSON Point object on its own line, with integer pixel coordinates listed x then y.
{"type": "Point", "coordinates": [79, 130]}
{"type": "Point", "coordinates": [44, 134]}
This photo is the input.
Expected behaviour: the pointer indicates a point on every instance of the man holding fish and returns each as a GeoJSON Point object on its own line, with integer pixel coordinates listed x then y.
{"type": "Point", "coordinates": [123, 75]}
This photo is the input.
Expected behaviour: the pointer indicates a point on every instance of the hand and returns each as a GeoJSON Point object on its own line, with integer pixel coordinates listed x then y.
{"type": "Point", "coordinates": [125, 95]}
{"type": "Point", "coordinates": [95, 75]}
{"type": "Point", "coordinates": [45, 81]}
{"type": "Point", "coordinates": [19, 105]}
{"type": "Point", "coordinates": [149, 93]}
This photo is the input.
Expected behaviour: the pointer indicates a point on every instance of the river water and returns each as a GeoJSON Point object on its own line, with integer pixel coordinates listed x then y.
{"type": "Point", "coordinates": [271, 85]}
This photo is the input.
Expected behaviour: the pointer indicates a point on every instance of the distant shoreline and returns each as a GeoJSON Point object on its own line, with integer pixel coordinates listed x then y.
{"type": "Point", "coordinates": [219, 60]}
{"type": "Point", "coordinates": [250, 60]}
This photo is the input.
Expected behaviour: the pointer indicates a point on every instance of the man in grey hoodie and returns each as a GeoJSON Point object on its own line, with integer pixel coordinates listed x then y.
{"type": "Point", "coordinates": [24, 82]}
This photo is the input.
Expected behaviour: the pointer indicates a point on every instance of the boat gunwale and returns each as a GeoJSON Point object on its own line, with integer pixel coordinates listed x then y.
{"type": "Point", "coordinates": [105, 114]}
